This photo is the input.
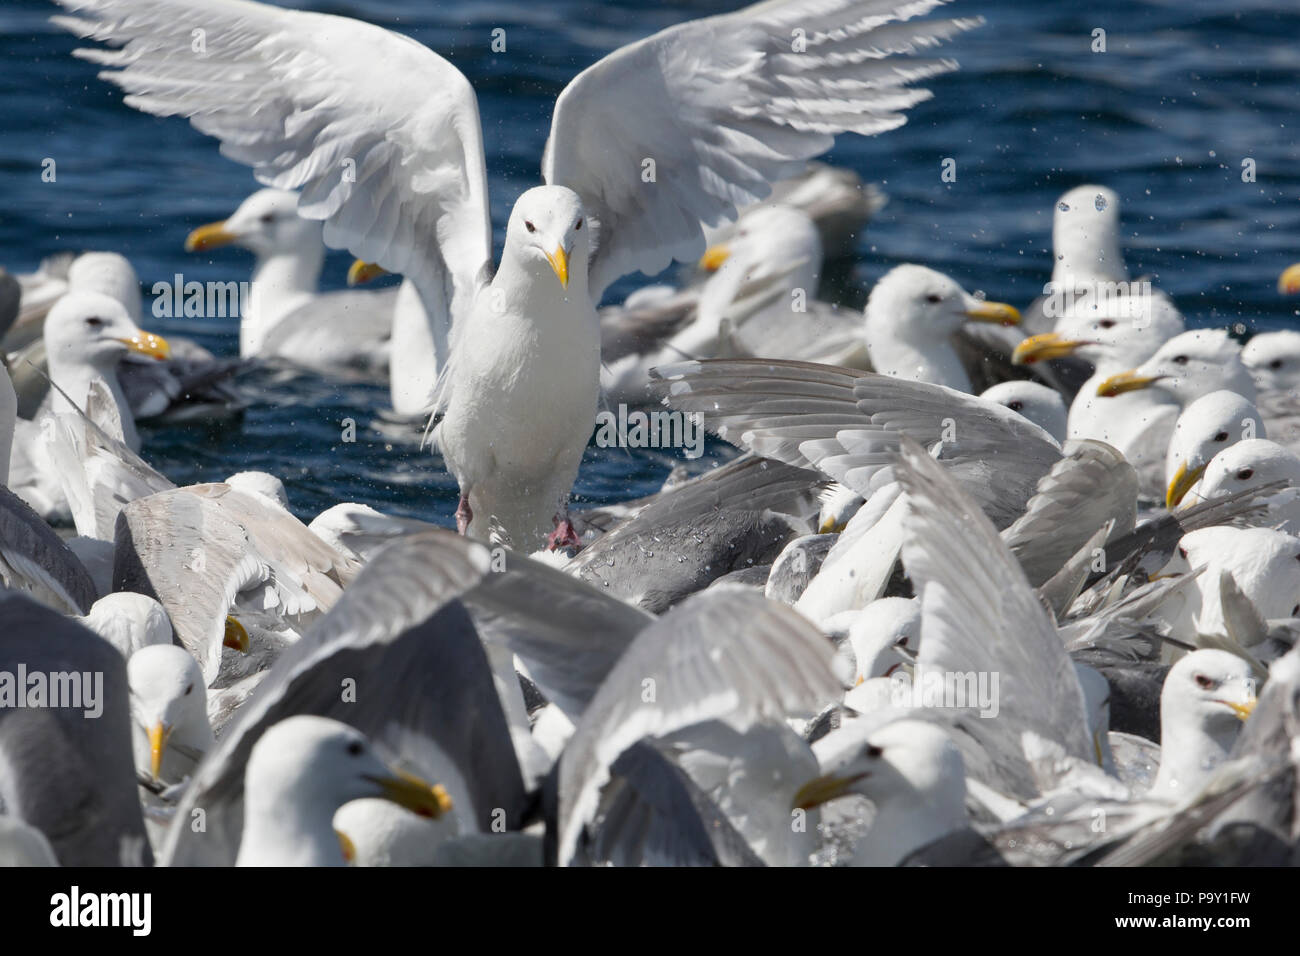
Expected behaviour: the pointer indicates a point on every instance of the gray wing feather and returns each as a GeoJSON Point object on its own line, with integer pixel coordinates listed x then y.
{"type": "Point", "coordinates": [726, 654]}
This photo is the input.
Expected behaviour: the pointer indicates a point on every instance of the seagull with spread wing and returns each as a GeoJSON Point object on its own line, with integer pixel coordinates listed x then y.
{"type": "Point", "coordinates": [647, 146]}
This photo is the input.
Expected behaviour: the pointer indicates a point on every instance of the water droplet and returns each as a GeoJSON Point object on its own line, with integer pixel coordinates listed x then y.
{"type": "Point", "coordinates": [1101, 202]}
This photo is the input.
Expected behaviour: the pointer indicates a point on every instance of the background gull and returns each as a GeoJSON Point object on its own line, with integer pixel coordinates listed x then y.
{"type": "Point", "coordinates": [1208, 425]}
{"type": "Point", "coordinates": [1264, 564]}
{"type": "Point", "coordinates": [1136, 422]}
{"type": "Point", "coordinates": [1246, 814]}
{"type": "Point", "coordinates": [87, 336]}
{"type": "Point", "coordinates": [286, 316]}
{"type": "Point", "coordinates": [758, 300]}
{"type": "Point", "coordinates": [300, 771]}
{"type": "Point", "coordinates": [1254, 464]}
{"type": "Point", "coordinates": [1188, 366]}
{"type": "Point", "coordinates": [188, 385]}
{"type": "Point", "coordinates": [1086, 254]}
{"type": "Point", "coordinates": [1041, 405]}
{"type": "Point", "coordinates": [1273, 359]}
{"type": "Point", "coordinates": [129, 621]}
{"type": "Point", "coordinates": [911, 316]}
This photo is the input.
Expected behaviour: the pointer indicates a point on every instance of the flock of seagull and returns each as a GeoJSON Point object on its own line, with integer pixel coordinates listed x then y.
{"type": "Point", "coordinates": [983, 586]}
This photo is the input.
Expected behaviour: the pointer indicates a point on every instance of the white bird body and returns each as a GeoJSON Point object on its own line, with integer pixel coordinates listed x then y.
{"type": "Point", "coordinates": [514, 430]}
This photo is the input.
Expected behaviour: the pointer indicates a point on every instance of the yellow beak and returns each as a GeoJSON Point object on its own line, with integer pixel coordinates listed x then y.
{"type": "Point", "coordinates": [236, 637]}
{"type": "Point", "coordinates": [831, 524]}
{"type": "Point", "coordinates": [1125, 382]}
{"type": "Point", "coordinates": [409, 791]}
{"type": "Point", "coordinates": [1040, 348]}
{"type": "Point", "coordinates": [361, 272]}
{"type": "Point", "coordinates": [998, 313]}
{"type": "Point", "coordinates": [346, 845]}
{"type": "Point", "coordinates": [714, 257]}
{"type": "Point", "coordinates": [560, 263]}
{"type": "Point", "coordinates": [1183, 482]}
{"type": "Point", "coordinates": [211, 236]}
{"type": "Point", "coordinates": [158, 735]}
{"type": "Point", "coordinates": [1288, 283]}
{"type": "Point", "coordinates": [147, 343]}
{"type": "Point", "coordinates": [1243, 711]}
{"type": "Point", "coordinates": [820, 790]}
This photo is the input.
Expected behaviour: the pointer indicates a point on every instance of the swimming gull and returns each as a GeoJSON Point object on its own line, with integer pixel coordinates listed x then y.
{"type": "Point", "coordinates": [285, 314]}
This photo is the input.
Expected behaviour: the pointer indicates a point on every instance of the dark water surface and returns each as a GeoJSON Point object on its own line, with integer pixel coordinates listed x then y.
{"type": "Point", "coordinates": [1185, 92]}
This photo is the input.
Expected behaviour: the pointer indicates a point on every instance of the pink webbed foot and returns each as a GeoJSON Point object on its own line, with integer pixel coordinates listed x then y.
{"type": "Point", "coordinates": [463, 515]}
{"type": "Point", "coordinates": [564, 535]}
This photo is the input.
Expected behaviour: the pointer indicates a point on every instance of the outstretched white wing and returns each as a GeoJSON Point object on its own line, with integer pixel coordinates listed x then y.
{"type": "Point", "coordinates": [380, 133]}
{"type": "Point", "coordinates": [684, 126]}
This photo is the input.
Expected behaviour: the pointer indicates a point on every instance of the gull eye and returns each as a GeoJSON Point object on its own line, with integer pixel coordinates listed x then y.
{"type": "Point", "coordinates": [1016, 406]}
{"type": "Point", "coordinates": [1106, 323]}
{"type": "Point", "coordinates": [1221, 436]}
{"type": "Point", "coordinates": [1246, 474]}
{"type": "Point", "coordinates": [529, 226]}
{"type": "Point", "coordinates": [1205, 682]}
{"type": "Point", "coordinates": [189, 689]}
{"type": "Point", "coordinates": [875, 752]}
{"type": "Point", "coordinates": [901, 642]}
{"type": "Point", "coordinates": [1179, 360]}
{"type": "Point", "coordinates": [1276, 363]}
{"type": "Point", "coordinates": [94, 322]}
{"type": "Point", "coordinates": [1182, 552]}
{"type": "Point", "coordinates": [577, 225]}
{"type": "Point", "coordinates": [934, 298]}
{"type": "Point", "coordinates": [355, 748]}
{"type": "Point", "coordinates": [266, 218]}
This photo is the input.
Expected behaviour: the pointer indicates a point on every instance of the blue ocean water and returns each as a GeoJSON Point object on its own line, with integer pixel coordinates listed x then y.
{"type": "Point", "coordinates": [1186, 91]}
